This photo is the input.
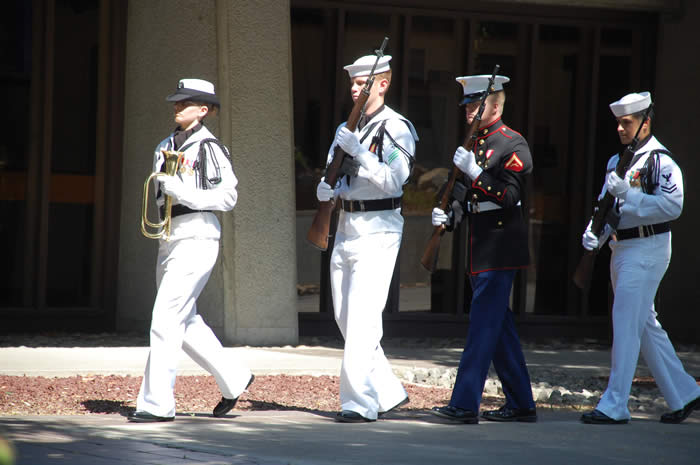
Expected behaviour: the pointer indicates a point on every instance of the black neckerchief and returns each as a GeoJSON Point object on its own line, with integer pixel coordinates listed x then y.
{"type": "Point", "coordinates": [367, 118]}
{"type": "Point", "coordinates": [180, 136]}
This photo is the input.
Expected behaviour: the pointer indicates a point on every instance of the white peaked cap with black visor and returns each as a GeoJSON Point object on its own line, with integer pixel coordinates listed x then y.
{"type": "Point", "coordinates": [473, 87]}
{"type": "Point", "coordinates": [196, 90]}
{"type": "Point", "coordinates": [363, 66]}
{"type": "Point", "coordinates": [631, 103]}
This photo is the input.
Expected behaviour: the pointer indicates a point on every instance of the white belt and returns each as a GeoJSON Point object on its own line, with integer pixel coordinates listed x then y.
{"type": "Point", "coordinates": [484, 207]}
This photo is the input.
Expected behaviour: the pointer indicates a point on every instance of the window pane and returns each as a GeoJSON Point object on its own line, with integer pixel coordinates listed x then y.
{"type": "Point", "coordinates": [15, 83]}
{"type": "Point", "coordinates": [554, 147]}
{"type": "Point", "coordinates": [73, 155]}
{"type": "Point", "coordinates": [433, 109]}
{"type": "Point", "coordinates": [70, 253]}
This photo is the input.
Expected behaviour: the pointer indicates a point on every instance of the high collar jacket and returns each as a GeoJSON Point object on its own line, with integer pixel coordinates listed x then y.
{"type": "Point", "coordinates": [498, 237]}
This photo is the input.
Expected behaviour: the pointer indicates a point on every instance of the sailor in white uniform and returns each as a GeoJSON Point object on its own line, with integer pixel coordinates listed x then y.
{"type": "Point", "coordinates": [648, 198]}
{"type": "Point", "coordinates": [367, 242]}
{"type": "Point", "coordinates": [205, 182]}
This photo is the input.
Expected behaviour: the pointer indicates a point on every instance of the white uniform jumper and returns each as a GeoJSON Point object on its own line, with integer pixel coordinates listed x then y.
{"type": "Point", "coordinates": [183, 268]}
{"type": "Point", "coordinates": [362, 265]}
{"type": "Point", "coordinates": [637, 266]}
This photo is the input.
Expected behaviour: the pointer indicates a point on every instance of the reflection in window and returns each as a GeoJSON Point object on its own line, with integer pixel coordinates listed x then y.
{"type": "Point", "coordinates": [615, 37]}
{"type": "Point", "coordinates": [492, 30]}
{"type": "Point", "coordinates": [554, 145]}
{"type": "Point", "coordinates": [553, 33]}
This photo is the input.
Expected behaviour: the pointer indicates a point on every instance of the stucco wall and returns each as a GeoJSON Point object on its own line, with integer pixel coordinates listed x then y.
{"type": "Point", "coordinates": [243, 47]}
{"type": "Point", "coordinates": [262, 269]}
{"type": "Point", "coordinates": [677, 101]}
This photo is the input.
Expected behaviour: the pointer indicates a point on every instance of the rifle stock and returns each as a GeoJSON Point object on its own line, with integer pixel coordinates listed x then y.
{"type": "Point", "coordinates": [430, 255]}
{"type": "Point", "coordinates": [320, 226]}
{"type": "Point", "coordinates": [584, 269]}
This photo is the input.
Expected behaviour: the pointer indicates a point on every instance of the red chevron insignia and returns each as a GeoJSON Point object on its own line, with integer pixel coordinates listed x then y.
{"type": "Point", "coordinates": [514, 163]}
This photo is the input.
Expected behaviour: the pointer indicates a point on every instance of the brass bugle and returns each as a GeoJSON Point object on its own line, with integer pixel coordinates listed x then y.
{"type": "Point", "coordinates": [162, 228]}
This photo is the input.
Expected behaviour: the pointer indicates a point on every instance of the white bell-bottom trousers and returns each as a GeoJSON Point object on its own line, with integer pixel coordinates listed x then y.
{"type": "Point", "coordinates": [182, 271]}
{"type": "Point", "coordinates": [636, 268]}
{"type": "Point", "coordinates": [361, 268]}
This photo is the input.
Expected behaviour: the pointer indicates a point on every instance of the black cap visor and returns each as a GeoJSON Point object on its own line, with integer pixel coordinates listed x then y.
{"type": "Point", "coordinates": [471, 98]}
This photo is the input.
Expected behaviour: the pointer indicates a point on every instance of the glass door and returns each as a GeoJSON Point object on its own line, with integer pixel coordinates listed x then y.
{"type": "Point", "coordinates": [60, 70]}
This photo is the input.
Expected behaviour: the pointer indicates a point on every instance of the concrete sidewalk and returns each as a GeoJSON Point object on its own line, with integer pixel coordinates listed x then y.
{"type": "Point", "coordinates": [61, 361]}
{"type": "Point", "coordinates": [293, 437]}
{"type": "Point", "coordinates": [299, 360]}
{"type": "Point", "coordinates": [301, 437]}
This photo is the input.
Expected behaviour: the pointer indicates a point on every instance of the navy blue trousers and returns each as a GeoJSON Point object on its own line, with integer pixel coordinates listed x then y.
{"type": "Point", "coordinates": [492, 337]}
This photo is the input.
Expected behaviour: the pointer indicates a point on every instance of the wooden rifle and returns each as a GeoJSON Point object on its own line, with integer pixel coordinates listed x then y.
{"type": "Point", "coordinates": [430, 255]}
{"type": "Point", "coordinates": [584, 270]}
{"type": "Point", "coordinates": [320, 227]}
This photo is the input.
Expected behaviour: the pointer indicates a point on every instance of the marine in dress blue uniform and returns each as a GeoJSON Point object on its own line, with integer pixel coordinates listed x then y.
{"type": "Point", "coordinates": [204, 183]}
{"type": "Point", "coordinates": [647, 198]}
{"type": "Point", "coordinates": [370, 227]}
{"type": "Point", "coordinates": [495, 170]}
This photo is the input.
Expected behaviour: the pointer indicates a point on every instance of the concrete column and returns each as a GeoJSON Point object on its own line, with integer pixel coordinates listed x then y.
{"type": "Point", "coordinates": [255, 73]}
{"type": "Point", "coordinates": [244, 48]}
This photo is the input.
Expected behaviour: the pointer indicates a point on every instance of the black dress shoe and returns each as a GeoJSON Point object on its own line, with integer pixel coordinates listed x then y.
{"type": "Point", "coordinates": [528, 415]}
{"type": "Point", "coordinates": [456, 414]}
{"type": "Point", "coordinates": [225, 405]}
{"type": "Point", "coordinates": [596, 417]}
{"type": "Point", "coordinates": [400, 404]}
{"type": "Point", "coordinates": [678, 416]}
{"type": "Point", "coordinates": [139, 416]}
{"type": "Point", "coordinates": [348, 416]}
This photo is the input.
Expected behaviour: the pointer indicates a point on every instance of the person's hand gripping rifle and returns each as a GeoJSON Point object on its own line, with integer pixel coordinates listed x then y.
{"type": "Point", "coordinates": [430, 256]}
{"type": "Point", "coordinates": [318, 233]}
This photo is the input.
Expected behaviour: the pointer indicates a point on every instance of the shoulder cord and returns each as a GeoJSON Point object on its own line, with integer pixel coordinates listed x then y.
{"type": "Point", "coordinates": [652, 168]}
{"type": "Point", "coordinates": [377, 146]}
{"type": "Point", "coordinates": [200, 165]}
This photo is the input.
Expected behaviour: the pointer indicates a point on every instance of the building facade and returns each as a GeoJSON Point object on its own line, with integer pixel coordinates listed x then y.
{"type": "Point", "coordinates": [88, 80]}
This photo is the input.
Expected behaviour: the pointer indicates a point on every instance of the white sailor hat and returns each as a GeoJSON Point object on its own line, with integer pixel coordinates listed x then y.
{"type": "Point", "coordinates": [363, 65]}
{"type": "Point", "coordinates": [475, 86]}
{"type": "Point", "coordinates": [197, 90]}
{"type": "Point", "coordinates": [631, 103]}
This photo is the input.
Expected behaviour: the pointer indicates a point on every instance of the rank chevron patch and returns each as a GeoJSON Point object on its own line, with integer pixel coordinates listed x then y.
{"type": "Point", "coordinates": [668, 188]}
{"type": "Point", "coordinates": [514, 163]}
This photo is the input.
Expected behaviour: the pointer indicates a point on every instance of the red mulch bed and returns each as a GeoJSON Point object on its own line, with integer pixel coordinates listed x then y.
{"type": "Point", "coordinates": [82, 395]}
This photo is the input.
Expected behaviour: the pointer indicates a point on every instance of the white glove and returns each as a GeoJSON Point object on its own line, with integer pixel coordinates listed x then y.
{"type": "Point", "coordinates": [617, 186]}
{"type": "Point", "coordinates": [439, 217]}
{"type": "Point", "coordinates": [173, 186]}
{"type": "Point", "coordinates": [349, 142]}
{"type": "Point", "coordinates": [590, 241]}
{"type": "Point", "coordinates": [466, 162]}
{"type": "Point", "coordinates": [324, 192]}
